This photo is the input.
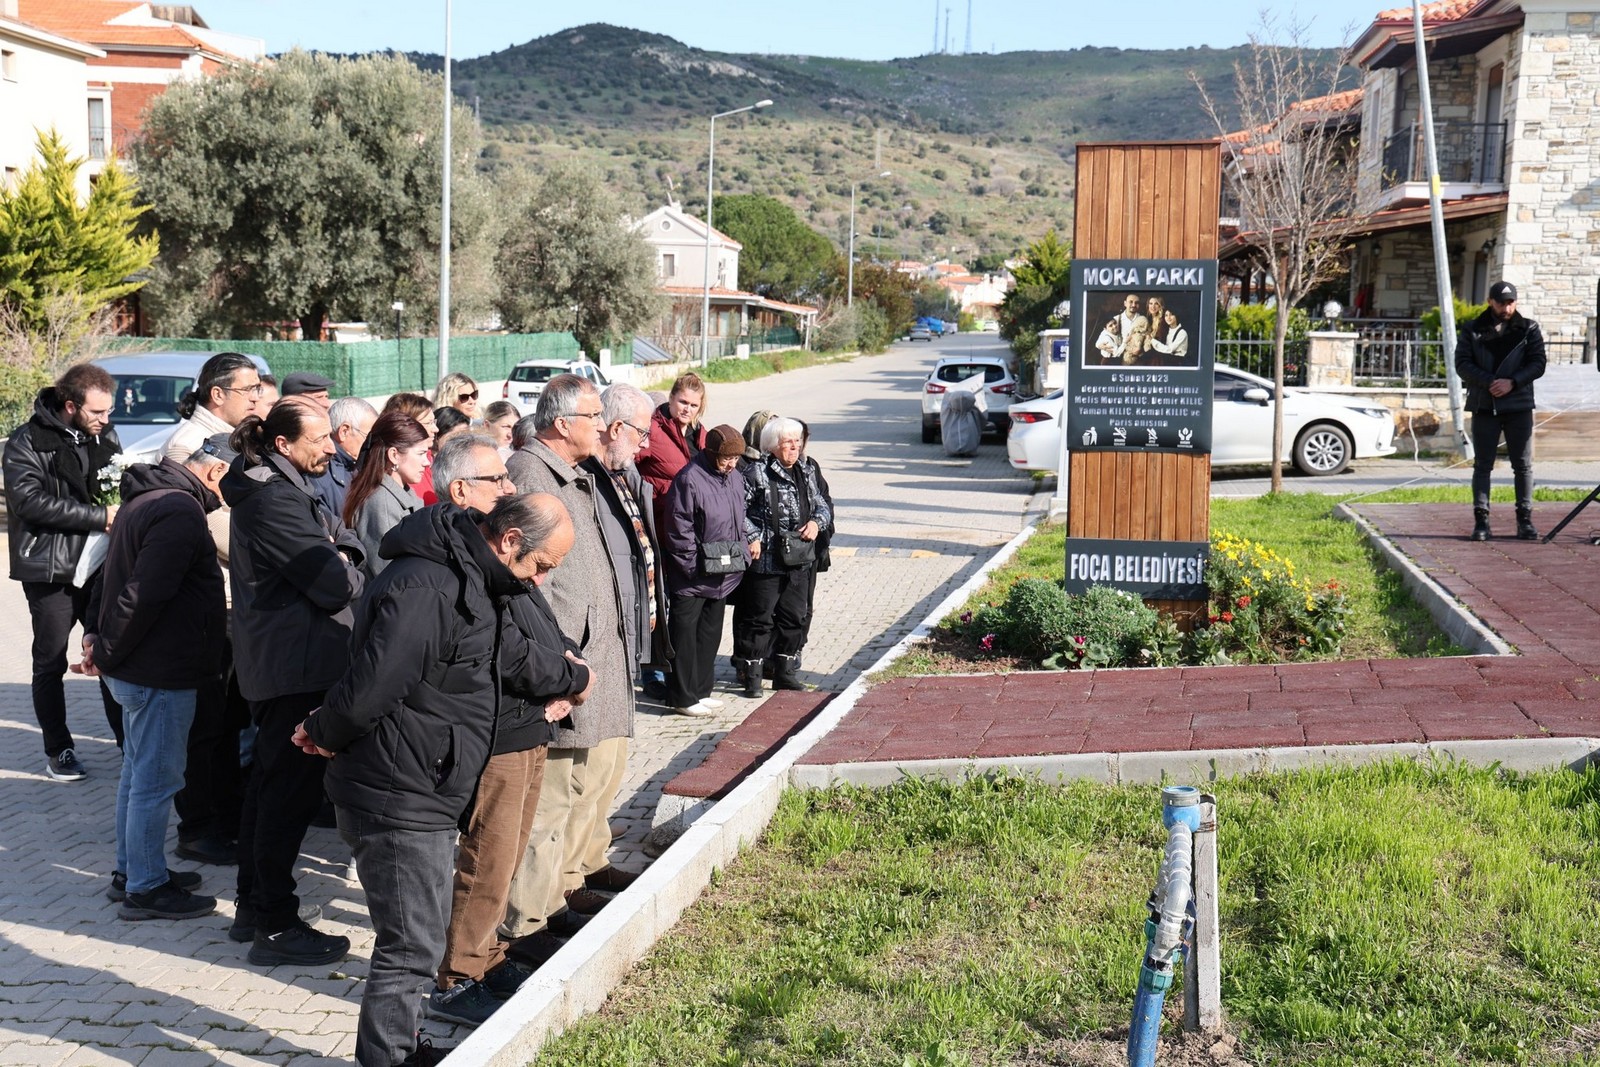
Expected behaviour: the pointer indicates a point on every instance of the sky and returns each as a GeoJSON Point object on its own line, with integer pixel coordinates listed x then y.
{"type": "Point", "coordinates": [880, 29]}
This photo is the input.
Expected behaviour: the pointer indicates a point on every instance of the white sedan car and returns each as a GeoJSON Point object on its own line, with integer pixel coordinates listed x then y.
{"type": "Point", "coordinates": [1322, 432]}
{"type": "Point", "coordinates": [526, 381]}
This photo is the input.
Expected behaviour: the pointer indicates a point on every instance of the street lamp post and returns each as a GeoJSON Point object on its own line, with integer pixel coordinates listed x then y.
{"type": "Point", "coordinates": [398, 307]}
{"type": "Point", "coordinates": [444, 220]}
{"type": "Point", "coordinates": [711, 159]}
{"type": "Point", "coordinates": [850, 285]}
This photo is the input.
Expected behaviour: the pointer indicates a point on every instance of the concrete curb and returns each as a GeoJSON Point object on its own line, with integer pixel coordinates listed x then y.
{"type": "Point", "coordinates": [1453, 617]}
{"type": "Point", "coordinates": [1208, 765]}
{"type": "Point", "coordinates": [577, 979]}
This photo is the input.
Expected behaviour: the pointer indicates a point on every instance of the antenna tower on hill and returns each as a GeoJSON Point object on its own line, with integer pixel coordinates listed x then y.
{"type": "Point", "coordinates": [968, 49]}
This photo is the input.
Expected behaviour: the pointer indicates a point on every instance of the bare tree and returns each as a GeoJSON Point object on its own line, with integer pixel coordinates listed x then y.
{"type": "Point", "coordinates": [1292, 169]}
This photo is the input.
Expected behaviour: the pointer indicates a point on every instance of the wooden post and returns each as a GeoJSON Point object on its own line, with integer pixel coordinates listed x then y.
{"type": "Point", "coordinates": [1144, 201]}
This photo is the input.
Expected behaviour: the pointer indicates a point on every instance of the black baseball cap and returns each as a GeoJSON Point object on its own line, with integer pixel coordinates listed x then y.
{"type": "Point", "coordinates": [1502, 292]}
{"type": "Point", "coordinates": [305, 381]}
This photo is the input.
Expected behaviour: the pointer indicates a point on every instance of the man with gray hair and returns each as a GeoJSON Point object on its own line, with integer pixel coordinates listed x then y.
{"type": "Point", "coordinates": [587, 598]}
{"type": "Point", "coordinates": [351, 419]}
{"type": "Point", "coordinates": [629, 525]}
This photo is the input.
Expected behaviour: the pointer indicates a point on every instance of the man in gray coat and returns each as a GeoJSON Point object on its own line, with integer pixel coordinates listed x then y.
{"type": "Point", "coordinates": [586, 596]}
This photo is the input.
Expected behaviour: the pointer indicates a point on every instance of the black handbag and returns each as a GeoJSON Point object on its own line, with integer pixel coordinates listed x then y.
{"type": "Point", "coordinates": [722, 557]}
{"type": "Point", "coordinates": [793, 551]}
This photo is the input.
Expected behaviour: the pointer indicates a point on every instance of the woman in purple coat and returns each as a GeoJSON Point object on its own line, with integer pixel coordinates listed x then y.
{"type": "Point", "coordinates": [706, 554]}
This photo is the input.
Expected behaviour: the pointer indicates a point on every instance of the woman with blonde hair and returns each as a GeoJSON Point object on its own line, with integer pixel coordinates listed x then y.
{"type": "Point", "coordinates": [458, 391]}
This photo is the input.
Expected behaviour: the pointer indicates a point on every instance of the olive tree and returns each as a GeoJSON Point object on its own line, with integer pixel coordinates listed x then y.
{"type": "Point", "coordinates": [307, 189]}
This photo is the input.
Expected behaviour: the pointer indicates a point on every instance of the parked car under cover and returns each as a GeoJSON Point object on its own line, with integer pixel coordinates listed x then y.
{"type": "Point", "coordinates": [149, 387]}
{"type": "Point", "coordinates": [999, 385]}
{"type": "Point", "coordinates": [1322, 432]}
{"type": "Point", "coordinates": [527, 379]}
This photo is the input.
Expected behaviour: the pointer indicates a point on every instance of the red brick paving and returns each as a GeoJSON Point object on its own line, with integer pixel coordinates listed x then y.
{"type": "Point", "coordinates": [1542, 599]}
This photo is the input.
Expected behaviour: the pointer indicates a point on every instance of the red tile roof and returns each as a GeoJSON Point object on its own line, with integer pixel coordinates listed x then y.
{"type": "Point", "coordinates": [91, 20]}
{"type": "Point", "coordinates": [1437, 12]}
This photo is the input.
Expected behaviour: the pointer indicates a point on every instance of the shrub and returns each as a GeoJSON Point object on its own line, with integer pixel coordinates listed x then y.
{"type": "Point", "coordinates": [1259, 611]}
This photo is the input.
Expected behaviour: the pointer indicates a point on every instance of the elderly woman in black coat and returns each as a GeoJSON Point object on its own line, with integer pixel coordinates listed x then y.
{"type": "Point", "coordinates": [786, 511]}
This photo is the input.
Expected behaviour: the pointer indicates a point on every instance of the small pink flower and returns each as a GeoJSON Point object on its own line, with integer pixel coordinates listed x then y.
{"type": "Point", "coordinates": [987, 642]}
{"type": "Point", "coordinates": [1080, 641]}
{"type": "Point", "coordinates": [966, 616]}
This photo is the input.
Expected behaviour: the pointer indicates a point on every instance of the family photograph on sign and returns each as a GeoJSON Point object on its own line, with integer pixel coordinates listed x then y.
{"type": "Point", "coordinates": [1134, 329]}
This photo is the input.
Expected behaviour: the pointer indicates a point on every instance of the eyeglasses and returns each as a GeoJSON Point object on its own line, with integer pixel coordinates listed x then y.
{"type": "Point", "coordinates": [498, 479]}
{"type": "Point", "coordinates": [468, 396]}
{"type": "Point", "coordinates": [248, 390]}
{"type": "Point", "coordinates": [585, 415]}
{"type": "Point", "coordinates": [644, 434]}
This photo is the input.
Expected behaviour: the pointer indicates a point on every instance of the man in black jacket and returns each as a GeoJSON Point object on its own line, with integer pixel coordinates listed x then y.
{"type": "Point", "coordinates": [295, 571]}
{"type": "Point", "coordinates": [52, 475]}
{"type": "Point", "coordinates": [1499, 355]}
{"type": "Point", "coordinates": [155, 633]}
{"type": "Point", "coordinates": [412, 724]}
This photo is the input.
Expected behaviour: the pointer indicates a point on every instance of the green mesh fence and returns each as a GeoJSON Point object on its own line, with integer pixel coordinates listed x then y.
{"type": "Point", "coordinates": [375, 368]}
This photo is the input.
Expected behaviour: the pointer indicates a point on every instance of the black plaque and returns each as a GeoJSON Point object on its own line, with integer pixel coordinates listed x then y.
{"type": "Point", "coordinates": [1154, 570]}
{"type": "Point", "coordinates": [1143, 341]}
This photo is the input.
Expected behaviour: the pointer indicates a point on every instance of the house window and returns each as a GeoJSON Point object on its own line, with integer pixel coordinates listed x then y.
{"type": "Point", "coordinates": [97, 129]}
{"type": "Point", "coordinates": [8, 64]}
{"type": "Point", "coordinates": [669, 265]}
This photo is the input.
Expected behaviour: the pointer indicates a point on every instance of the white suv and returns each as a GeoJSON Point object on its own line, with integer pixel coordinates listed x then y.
{"type": "Point", "coordinates": [999, 386]}
{"type": "Point", "coordinates": [527, 379]}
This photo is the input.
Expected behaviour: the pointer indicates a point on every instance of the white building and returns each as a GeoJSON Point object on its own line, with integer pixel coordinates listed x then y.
{"type": "Point", "coordinates": [43, 79]}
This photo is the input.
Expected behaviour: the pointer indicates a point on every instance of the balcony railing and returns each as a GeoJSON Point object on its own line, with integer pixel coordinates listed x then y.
{"type": "Point", "coordinates": [97, 142]}
{"type": "Point", "coordinates": [1472, 153]}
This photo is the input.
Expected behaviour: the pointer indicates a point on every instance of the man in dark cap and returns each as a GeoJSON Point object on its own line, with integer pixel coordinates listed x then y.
{"type": "Point", "coordinates": [1499, 355]}
{"type": "Point", "coordinates": [309, 384]}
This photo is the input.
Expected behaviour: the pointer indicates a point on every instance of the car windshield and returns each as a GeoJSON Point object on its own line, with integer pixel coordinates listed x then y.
{"type": "Point", "coordinates": [960, 372]}
{"type": "Point", "coordinates": [534, 374]}
{"type": "Point", "coordinates": [148, 399]}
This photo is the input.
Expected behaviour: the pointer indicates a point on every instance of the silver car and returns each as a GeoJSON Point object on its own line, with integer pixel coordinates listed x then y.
{"type": "Point", "coordinates": [149, 387]}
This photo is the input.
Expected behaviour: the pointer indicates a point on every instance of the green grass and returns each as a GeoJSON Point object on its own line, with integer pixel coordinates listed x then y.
{"type": "Point", "coordinates": [760, 365]}
{"type": "Point", "coordinates": [1385, 621]}
{"type": "Point", "coordinates": [1389, 915]}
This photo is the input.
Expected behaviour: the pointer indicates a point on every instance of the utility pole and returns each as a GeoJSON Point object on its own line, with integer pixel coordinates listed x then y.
{"type": "Point", "coordinates": [1441, 260]}
{"type": "Point", "coordinates": [967, 51]}
{"type": "Point", "coordinates": [935, 27]}
{"type": "Point", "coordinates": [947, 31]}
{"type": "Point", "coordinates": [444, 216]}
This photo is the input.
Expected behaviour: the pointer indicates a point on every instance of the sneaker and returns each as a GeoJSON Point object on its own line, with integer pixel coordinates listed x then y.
{"type": "Point", "coordinates": [506, 979]}
{"type": "Point", "coordinates": [609, 879]}
{"type": "Point", "coordinates": [565, 923]}
{"type": "Point", "coordinates": [698, 710]}
{"type": "Point", "coordinates": [711, 702]}
{"type": "Point", "coordinates": [64, 767]}
{"type": "Point", "coordinates": [585, 901]}
{"type": "Point", "coordinates": [534, 950]}
{"type": "Point", "coordinates": [209, 850]}
{"type": "Point", "coordinates": [425, 1055]}
{"type": "Point", "coordinates": [298, 944]}
{"type": "Point", "coordinates": [465, 1004]}
{"type": "Point", "coordinates": [166, 902]}
{"type": "Point", "coordinates": [184, 880]}
{"type": "Point", "coordinates": [244, 920]}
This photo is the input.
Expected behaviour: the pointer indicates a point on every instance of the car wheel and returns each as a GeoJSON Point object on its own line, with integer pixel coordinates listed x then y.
{"type": "Point", "coordinates": [930, 431]}
{"type": "Point", "coordinates": [1323, 449]}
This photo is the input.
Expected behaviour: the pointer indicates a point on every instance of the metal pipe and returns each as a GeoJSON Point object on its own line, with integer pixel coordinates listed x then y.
{"type": "Point", "coordinates": [1169, 924]}
{"type": "Point", "coordinates": [444, 218]}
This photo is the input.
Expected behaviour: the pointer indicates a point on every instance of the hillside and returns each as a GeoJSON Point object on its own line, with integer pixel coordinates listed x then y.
{"type": "Point", "coordinates": [980, 146]}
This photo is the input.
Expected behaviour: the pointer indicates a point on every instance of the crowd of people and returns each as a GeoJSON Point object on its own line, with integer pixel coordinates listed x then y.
{"type": "Point", "coordinates": [458, 606]}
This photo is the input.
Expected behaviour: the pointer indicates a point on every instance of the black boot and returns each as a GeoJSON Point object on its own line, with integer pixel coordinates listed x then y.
{"type": "Point", "coordinates": [1480, 524]}
{"type": "Point", "coordinates": [740, 670]}
{"type": "Point", "coordinates": [749, 676]}
{"type": "Point", "coordinates": [1525, 530]}
{"type": "Point", "coordinates": [784, 672]}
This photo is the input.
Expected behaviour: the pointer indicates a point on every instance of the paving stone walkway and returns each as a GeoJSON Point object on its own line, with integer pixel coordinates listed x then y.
{"type": "Point", "coordinates": [1542, 599]}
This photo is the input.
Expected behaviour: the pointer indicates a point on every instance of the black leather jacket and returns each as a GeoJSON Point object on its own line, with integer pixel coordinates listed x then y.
{"type": "Point", "coordinates": [788, 483]}
{"type": "Point", "coordinates": [1516, 352]}
{"type": "Point", "coordinates": [51, 471]}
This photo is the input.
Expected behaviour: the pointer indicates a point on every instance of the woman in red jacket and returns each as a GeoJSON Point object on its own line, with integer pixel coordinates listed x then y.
{"type": "Point", "coordinates": [676, 436]}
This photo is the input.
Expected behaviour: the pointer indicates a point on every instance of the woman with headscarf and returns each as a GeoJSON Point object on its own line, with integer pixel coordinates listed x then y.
{"type": "Point", "coordinates": [392, 462]}
{"type": "Point", "coordinates": [705, 551]}
{"type": "Point", "coordinates": [786, 511]}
